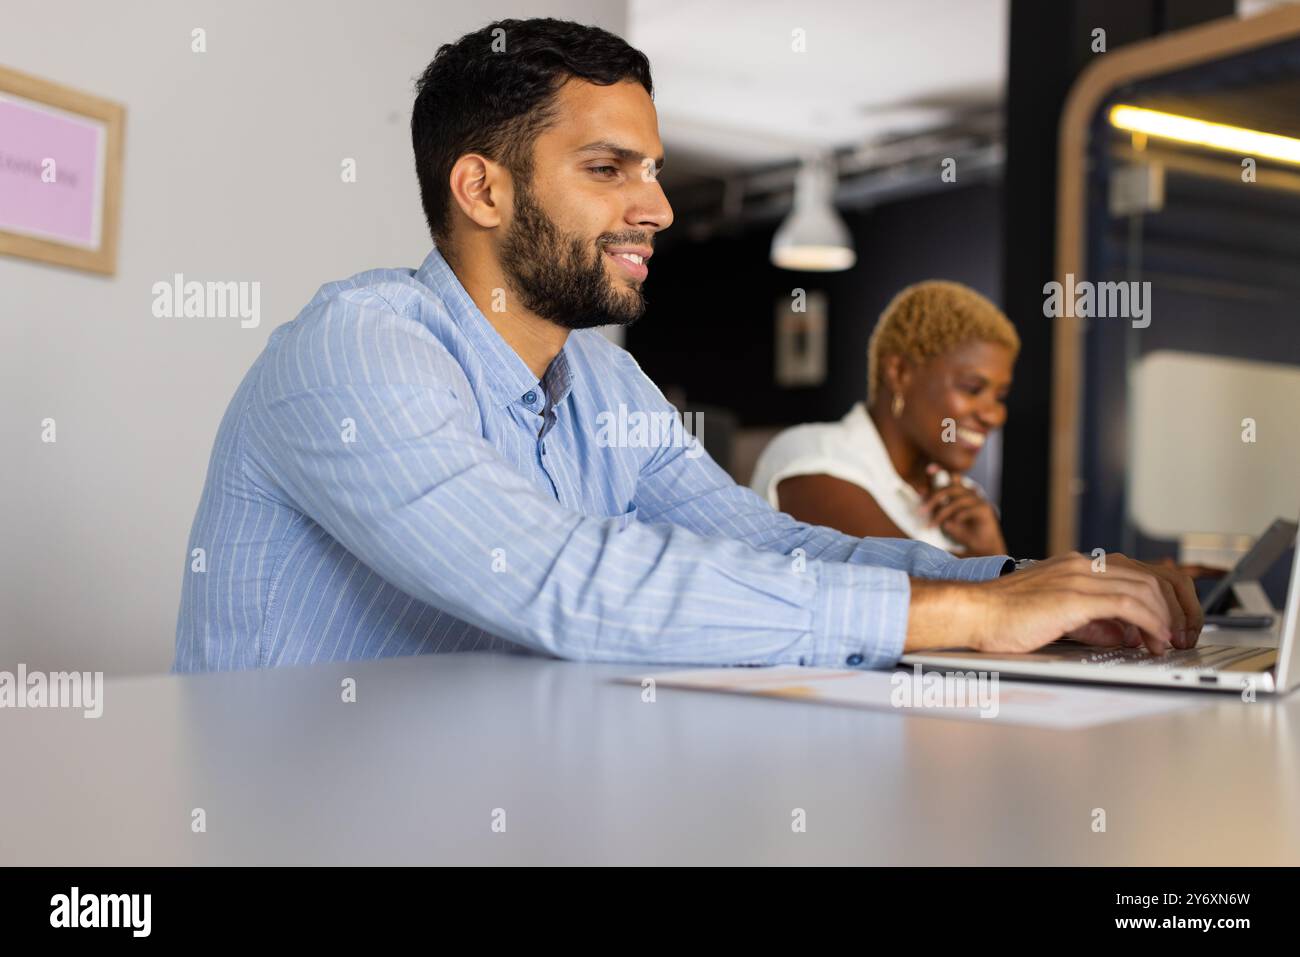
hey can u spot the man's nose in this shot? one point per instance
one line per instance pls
(651, 209)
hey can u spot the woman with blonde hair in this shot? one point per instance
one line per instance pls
(939, 367)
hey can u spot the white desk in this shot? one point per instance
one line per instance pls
(588, 773)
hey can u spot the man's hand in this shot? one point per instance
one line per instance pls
(965, 516)
(1128, 603)
(1186, 617)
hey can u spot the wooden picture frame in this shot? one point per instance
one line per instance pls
(53, 130)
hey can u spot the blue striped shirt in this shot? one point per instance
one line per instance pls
(390, 478)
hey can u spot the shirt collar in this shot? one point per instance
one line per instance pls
(510, 378)
(862, 430)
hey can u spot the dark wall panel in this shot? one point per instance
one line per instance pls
(709, 328)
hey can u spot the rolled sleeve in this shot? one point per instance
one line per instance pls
(981, 569)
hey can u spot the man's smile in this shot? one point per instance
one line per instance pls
(631, 259)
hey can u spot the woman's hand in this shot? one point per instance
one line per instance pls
(965, 516)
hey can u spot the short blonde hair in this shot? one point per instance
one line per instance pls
(930, 318)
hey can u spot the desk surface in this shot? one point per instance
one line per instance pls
(589, 773)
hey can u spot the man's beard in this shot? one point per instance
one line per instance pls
(559, 277)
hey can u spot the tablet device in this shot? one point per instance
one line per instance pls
(1253, 566)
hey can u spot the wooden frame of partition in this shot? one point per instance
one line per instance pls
(1149, 58)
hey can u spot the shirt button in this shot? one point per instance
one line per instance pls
(530, 397)
(853, 660)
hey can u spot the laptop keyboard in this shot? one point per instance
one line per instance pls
(1195, 659)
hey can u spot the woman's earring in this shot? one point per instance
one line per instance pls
(897, 406)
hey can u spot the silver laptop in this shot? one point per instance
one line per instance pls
(1225, 659)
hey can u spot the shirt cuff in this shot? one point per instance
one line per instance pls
(982, 569)
(861, 616)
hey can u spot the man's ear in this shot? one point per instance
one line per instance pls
(480, 188)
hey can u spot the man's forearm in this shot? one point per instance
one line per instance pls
(944, 614)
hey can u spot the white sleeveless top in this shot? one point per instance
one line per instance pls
(851, 450)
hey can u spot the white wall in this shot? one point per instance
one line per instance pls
(232, 174)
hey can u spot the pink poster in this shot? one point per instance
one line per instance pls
(51, 172)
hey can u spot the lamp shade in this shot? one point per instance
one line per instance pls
(814, 237)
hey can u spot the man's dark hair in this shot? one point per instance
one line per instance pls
(474, 99)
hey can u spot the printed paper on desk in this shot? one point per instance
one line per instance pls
(980, 698)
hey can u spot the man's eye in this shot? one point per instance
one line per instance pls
(601, 169)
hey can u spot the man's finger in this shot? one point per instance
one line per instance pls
(1185, 592)
(1128, 607)
(1106, 633)
(1140, 588)
(1177, 617)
